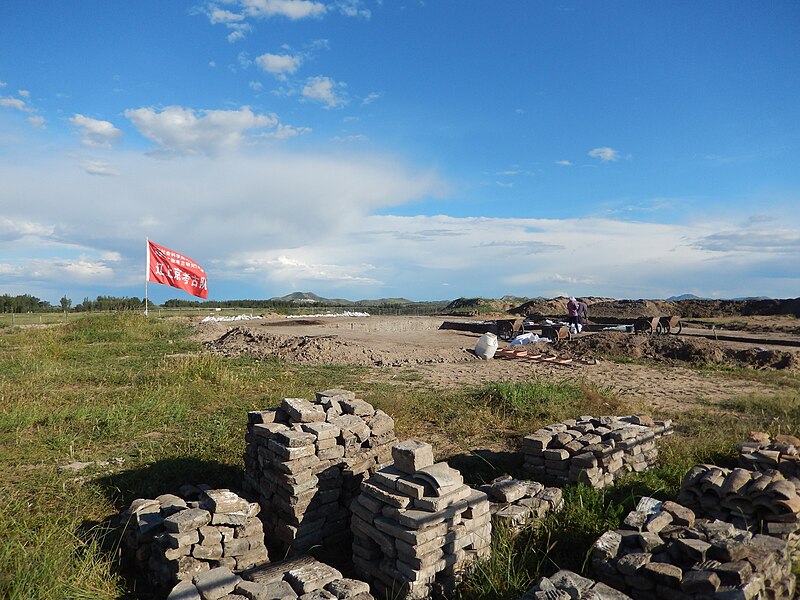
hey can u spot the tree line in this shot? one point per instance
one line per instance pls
(26, 303)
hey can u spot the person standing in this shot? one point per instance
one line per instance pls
(572, 313)
(583, 315)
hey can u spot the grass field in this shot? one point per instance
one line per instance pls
(137, 392)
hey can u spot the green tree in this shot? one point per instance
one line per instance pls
(65, 303)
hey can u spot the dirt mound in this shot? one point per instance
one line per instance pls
(325, 349)
(734, 308)
(554, 306)
(679, 350)
(631, 309)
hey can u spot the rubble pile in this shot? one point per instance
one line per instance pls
(663, 551)
(306, 460)
(304, 578)
(593, 450)
(566, 585)
(762, 452)
(416, 525)
(173, 538)
(514, 502)
(763, 502)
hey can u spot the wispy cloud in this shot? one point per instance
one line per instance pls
(370, 98)
(564, 163)
(96, 133)
(98, 167)
(325, 91)
(605, 154)
(279, 64)
(180, 130)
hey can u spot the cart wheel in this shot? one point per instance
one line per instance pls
(661, 330)
(680, 328)
(505, 331)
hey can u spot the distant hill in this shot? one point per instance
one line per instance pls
(312, 298)
(684, 297)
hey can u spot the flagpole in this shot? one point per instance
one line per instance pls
(146, 274)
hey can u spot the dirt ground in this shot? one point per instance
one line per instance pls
(416, 351)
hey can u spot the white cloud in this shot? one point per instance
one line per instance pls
(96, 133)
(605, 154)
(256, 86)
(212, 64)
(353, 8)
(3, 84)
(370, 98)
(36, 121)
(291, 9)
(98, 167)
(218, 15)
(16, 103)
(358, 137)
(24, 93)
(186, 131)
(284, 132)
(564, 163)
(324, 90)
(274, 221)
(237, 34)
(279, 64)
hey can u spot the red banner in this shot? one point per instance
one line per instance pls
(178, 270)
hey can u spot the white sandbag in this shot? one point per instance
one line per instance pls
(486, 346)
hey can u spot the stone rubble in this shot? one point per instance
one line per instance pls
(514, 502)
(566, 585)
(758, 501)
(593, 450)
(416, 525)
(304, 578)
(174, 538)
(663, 552)
(762, 453)
(306, 460)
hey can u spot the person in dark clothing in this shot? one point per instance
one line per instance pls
(583, 315)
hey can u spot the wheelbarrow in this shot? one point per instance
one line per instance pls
(671, 324)
(508, 329)
(556, 333)
(647, 325)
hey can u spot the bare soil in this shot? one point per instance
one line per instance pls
(657, 372)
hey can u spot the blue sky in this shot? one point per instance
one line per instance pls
(430, 150)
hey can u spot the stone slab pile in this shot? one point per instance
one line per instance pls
(175, 537)
(514, 502)
(662, 551)
(566, 585)
(593, 450)
(761, 453)
(416, 525)
(305, 578)
(306, 460)
(764, 502)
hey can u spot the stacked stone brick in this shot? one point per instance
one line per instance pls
(514, 503)
(663, 552)
(566, 585)
(306, 460)
(593, 450)
(173, 538)
(416, 525)
(764, 502)
(762, 453)
(306, 579)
